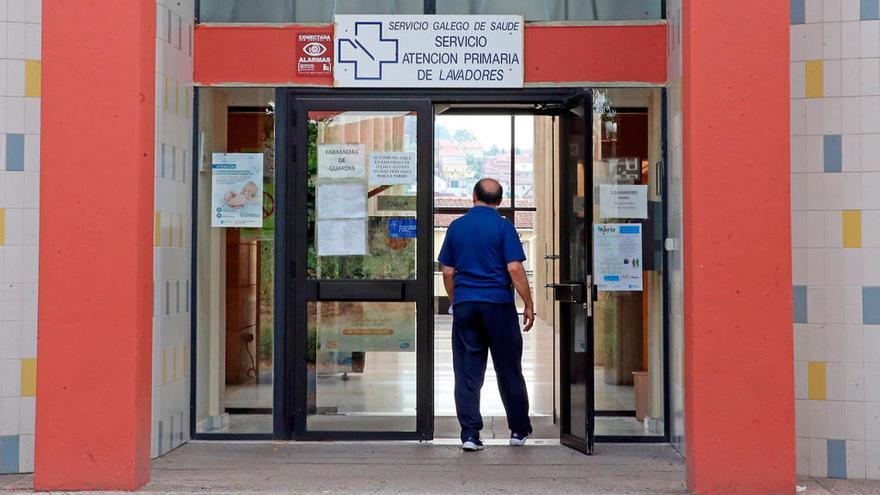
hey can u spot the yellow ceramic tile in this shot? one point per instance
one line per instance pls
(29, 377)
(170, 229)
(32, 78)
(814, 79)
(174, 366)
(176, 97)
(852, 228)
(158, 227)
(2, 226)
(816, 380)
(164, 367)
(180, 236)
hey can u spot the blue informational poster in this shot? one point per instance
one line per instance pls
(402, 228)
(618, 256)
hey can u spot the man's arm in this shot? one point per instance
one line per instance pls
(521, 283)
(449, 281)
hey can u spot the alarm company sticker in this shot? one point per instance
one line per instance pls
(314, 54)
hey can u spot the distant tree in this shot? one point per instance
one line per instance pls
(464, 135)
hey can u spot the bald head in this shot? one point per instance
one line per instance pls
(488, 192)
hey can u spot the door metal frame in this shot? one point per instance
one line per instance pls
(567, 329)
(546, 101)
(303, 290)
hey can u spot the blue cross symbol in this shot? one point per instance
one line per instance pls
(368, 50)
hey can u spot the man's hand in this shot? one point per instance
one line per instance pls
(528, 318)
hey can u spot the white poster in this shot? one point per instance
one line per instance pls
(618, 256)
(341, 200)
(237, 190)
(418, 51)
(341, 161)
(388, 168)
(342, 237)
(623, 201)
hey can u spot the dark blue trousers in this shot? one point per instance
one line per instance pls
(477, 329)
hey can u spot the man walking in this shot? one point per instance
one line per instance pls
(482, 263)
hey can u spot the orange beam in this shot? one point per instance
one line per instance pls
(738, 340)
(96, 249)
(265, 55)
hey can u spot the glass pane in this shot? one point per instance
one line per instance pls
(557, 10)
(299, 10)
(468, 148)
(361, 366)
(575, 227)
(362, 195)
(627, 232)
(524, 160)
(236, 296)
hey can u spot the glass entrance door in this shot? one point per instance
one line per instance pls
(361, 234)
(574, 289)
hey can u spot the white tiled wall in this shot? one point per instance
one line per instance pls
(172, 237)
(20, 68)
(835, 201)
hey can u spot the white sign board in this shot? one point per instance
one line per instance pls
(389, 168)
(618, 256)
(428, 51)
(623, 201)
(342, 237)
(341, 161)
(237, 190)
(345, 200)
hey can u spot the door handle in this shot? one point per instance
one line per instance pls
(570, 293)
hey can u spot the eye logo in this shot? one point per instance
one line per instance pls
(314, 49)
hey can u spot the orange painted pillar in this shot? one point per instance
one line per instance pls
(739, 384)
(96, 259)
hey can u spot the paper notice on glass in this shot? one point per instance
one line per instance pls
(392, 167)
(237, 190)
(341, 200)
(623, 201)
(341, 161)
(369, 326)
(342, 237)
(618, 256)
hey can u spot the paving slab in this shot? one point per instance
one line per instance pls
(423, 468)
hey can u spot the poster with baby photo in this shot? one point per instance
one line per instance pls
(237, 190)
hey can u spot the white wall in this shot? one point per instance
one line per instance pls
(20, 69)
(172, 249)
(835, 201)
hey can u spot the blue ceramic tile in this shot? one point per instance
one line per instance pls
(15, 152)
(832, 153)
(869, 10)
(836, 458)
(871, 305)
(9, 454)
(799, 298)
(798, 12)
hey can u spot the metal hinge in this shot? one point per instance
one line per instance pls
(588, 304)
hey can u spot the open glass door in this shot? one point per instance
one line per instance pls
(362, 269)
(574, 290)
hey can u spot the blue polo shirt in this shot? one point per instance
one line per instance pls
(479, 245)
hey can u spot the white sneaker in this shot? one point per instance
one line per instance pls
(472, 445)
(518, 440)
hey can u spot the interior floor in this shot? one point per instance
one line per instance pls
(398, 395)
